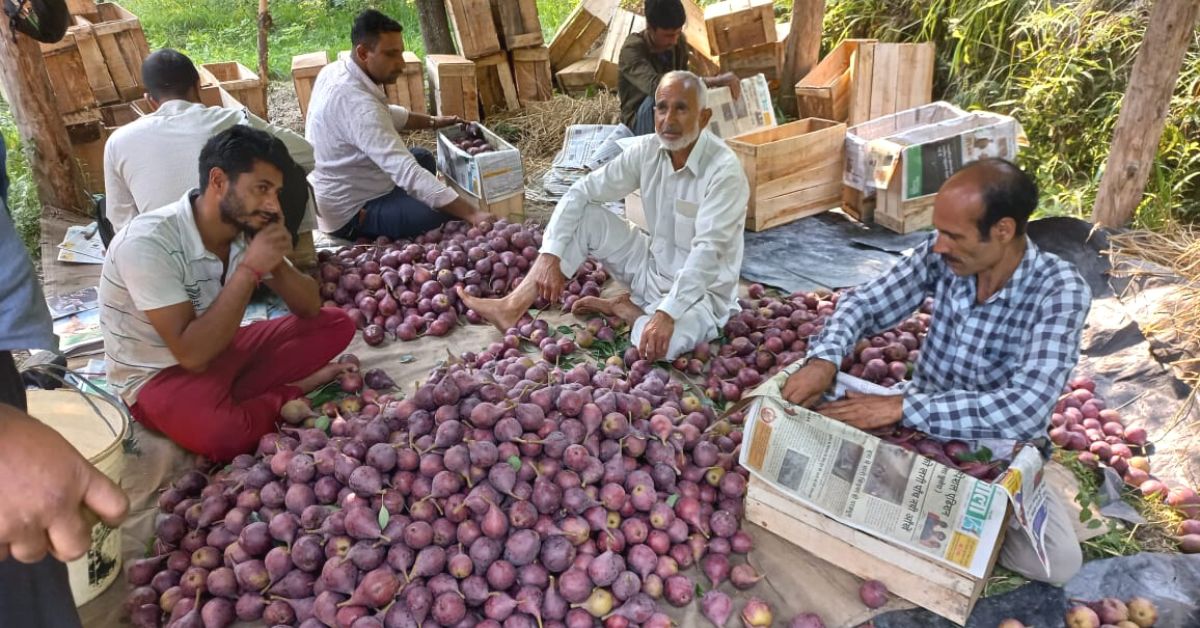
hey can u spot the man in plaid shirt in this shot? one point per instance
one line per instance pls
(1002, 342)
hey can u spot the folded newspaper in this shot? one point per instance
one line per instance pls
(81, 245)
(887, 491)
(753, 111)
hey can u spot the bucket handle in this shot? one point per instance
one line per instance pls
(53, 371)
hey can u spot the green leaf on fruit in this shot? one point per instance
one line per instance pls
(983, 454)
(672, 499)
(699, 592)
(322, 423)
(564, 330)
(514, 461)
(384, 517)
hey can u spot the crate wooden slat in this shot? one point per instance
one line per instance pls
(82, 8)
(64, 65)
(580, 32)
(794, 170)
(510, 207)
(918, 579)
(494, 82)
(95, 68)
(825, 91)
(518, 23)
(531, 71)
(87, 141)
(765, 59)
(473, 27)
(305, 69)
(123, 45)
(452, 79)
(886, 78)
(622, 24)
(577, 78)
(737, 24)
(241, 83)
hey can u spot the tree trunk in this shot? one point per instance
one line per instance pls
(1144, 110)
(435, 27)
(264, 24)
(56, 174)
(802, 49)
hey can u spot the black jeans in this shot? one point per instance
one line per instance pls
(37, 595)
(396, 214)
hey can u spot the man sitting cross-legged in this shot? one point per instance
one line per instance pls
(174, 289)
(682, 273)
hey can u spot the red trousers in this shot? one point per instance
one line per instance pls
(223, 411)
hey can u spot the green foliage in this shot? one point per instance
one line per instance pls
(22, 194)
(1059, 67)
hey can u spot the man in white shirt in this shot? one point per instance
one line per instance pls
(173, 293)
(150, 162)
(683, 273)
(367, 182)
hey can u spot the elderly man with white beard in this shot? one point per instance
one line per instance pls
(682, 273)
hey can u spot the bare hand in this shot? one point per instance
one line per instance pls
(656, 336)
(866, 412)
(445, 121)
(49, 495)
(735, 85)
(268, 248)
(548, 278)
(805, 386)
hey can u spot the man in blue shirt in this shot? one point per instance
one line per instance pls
(1002, 342)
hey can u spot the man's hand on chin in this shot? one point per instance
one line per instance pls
(865, 412)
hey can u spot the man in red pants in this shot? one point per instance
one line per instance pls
(174, 289)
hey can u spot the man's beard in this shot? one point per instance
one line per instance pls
(683, 142)
(233, 212)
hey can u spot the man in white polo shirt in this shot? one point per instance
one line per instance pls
(367, 182)
(151, 161)
(174, 290)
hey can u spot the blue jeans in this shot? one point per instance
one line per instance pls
(643, 124)
(396, 214)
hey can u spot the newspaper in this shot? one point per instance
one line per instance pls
(78, 301)
(889, 491)
(753, 111)
(79, 333)
(589, 146)
(82, 245)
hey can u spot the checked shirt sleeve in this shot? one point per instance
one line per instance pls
(876, 305)
(1020, 409)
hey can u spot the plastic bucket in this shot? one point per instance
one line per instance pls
(98, 429)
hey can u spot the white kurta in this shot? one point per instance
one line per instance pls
(687, 264)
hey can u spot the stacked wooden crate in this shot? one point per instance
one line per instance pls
(305, 69)
(571, 51)
(242, 84)
(744, 38)
(503, 38)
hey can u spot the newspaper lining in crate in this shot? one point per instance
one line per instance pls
(858, 174)
(492, 175)
(926, 156)
(888, 491)
(753, 111)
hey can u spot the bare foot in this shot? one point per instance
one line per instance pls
(321, 376)
(499, 312)
(592, 305)
(623, 308)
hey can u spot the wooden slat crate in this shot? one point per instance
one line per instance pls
(920, 580)
(473, 27)
(825, 91)
(696, 33)
(64, 65)
(577, 78)
(408, 91)
(243, 84)
(305, 69)
(122, 43)
(580, 32)
(737, 24)
(886, 78)
(87, 141)
(510, 207)
(452, 79)
(765, 59)
(622, 24)
(494, 81)
(531, 71)
(794, 170)
(95, 68)
(518, 23)
(83, 8)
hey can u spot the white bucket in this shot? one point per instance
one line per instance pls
(98, 430)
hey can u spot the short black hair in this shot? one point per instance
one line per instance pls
(169, 73)
(369, 25)
(235, 150)
(1007, 191)
(668, 14)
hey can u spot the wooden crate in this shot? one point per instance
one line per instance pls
(794, 170)
(531, 71)
(696, 34)
(737, 24)
(765, 59)
(83, 8)
(241, 83)
(886, 78)
(825, 91)
(518, 23)
(64, 65)
(920, 580)
(622, 24)
(95, 69)
(452, 79)
(122, 46)
(577, 78)
(893, 214)
(408, 91)
(858, 205)
(494, 82)
(87, 141)
(305, 69)
(473, 28)
(511, 207)
(580, 32)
